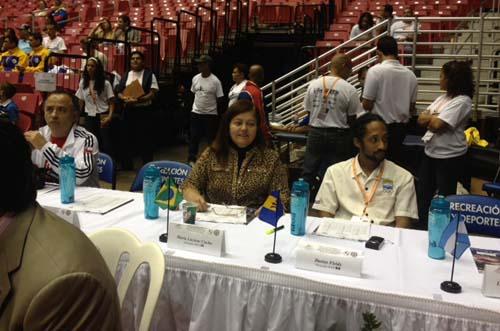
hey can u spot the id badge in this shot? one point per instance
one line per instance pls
(322, 115)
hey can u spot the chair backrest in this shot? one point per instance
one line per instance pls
(481, 213)
(9, 77)
(176, 170)
(112, 243)
(106, 169)
(24, 122)
(26, 102)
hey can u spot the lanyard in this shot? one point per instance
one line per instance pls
(367, 198)
(326, 92)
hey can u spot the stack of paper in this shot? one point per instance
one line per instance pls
(344, 229)
(223, 214)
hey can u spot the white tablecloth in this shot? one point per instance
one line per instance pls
(240, 291)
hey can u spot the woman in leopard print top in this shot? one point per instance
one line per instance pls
(238, 168)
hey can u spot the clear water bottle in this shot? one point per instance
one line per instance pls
(150, 188)
(67, 179)
(299, 207)
(439, 217)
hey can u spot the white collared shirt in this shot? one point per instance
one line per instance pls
(339, 193)
(98, 104)
(55, 45)
(235, 90)
(133, 75)
(393, 88)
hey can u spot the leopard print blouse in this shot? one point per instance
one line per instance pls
(261, 173)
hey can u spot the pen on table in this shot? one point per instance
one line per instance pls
(275, 229)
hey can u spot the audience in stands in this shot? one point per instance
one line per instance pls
(52, 41)
(53, 277)
(103, 30)
(386, 14)
(123, 26)
(43, 9)
(138, 112)
(87, 44)
(24, 34)
(96, 98)
(36, 59)
(6, 33)
(391, 92)
(365, 23)
(239, 75)
(252, 92)
(368, 185)
(238, 168)
(13, 59)
(361, 79)
(403, 30)
(208, 93)
(446, 118)
(332, 104)
(8, 109)
(59, 13)
(62, 136)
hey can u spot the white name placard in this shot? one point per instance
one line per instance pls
(198, 239)
(491, 281)
(69, 216)
(329, 259)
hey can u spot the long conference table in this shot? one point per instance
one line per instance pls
(400, 285)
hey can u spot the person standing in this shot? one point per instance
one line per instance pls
(445, 144)
(208, 94)
(239, 78)
(331, 103)
(391, 91)
(138, 114)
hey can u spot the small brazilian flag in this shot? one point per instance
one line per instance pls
(272, 209)
(169, 196)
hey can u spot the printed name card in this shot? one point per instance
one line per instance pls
(491, 281)
(329, 259)
(197, 239)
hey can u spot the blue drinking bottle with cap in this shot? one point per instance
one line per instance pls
(67, 179)
(299, 207)
(150, 188)
(439, 217)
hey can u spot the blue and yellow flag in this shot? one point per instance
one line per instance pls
(272, 209)
(169, 196)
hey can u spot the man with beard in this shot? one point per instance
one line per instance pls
(367, 185)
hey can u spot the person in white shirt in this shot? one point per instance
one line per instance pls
(368, 186)
(239, 74)
(365, 22)
(391, 91)
(52, 41)
(403, 30)
(96, 98)
(138, 114)
(62, 136)
(208, 94)
(331, 103)
(445, 144)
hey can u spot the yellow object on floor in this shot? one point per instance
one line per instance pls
(473, 137)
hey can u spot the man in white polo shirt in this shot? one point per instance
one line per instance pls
(208, 94)
(391, 91)
(332, 104)
(367, 185)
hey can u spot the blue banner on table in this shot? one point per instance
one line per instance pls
(272, 209)
(447, 241)
(169, 196)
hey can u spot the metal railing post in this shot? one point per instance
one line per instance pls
(414, 48)
(479, 60)
(273, 98)
(316, 67)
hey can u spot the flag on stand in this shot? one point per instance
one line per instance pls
(169, 196)
(447, 241)
(272, 209)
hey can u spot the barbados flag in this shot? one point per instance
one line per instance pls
(169, 196)
(272, 209)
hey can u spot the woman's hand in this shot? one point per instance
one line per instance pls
(202, 204)
(106, 120)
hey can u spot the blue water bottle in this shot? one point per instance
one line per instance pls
(67, 179)
(150, 188)
(299, 207)
(439, 217)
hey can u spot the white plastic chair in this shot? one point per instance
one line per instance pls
(112, 243)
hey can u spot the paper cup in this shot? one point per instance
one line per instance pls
(189, 212)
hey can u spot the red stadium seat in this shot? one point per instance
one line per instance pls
(27, 102)
(9, 77)
(24, 122)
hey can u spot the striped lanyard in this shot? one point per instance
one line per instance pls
(367, 198)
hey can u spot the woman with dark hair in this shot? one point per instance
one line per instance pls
(138, 111)
(96, 97)
(239, 74)
(365, 22)
(238, 168)
(445, 143)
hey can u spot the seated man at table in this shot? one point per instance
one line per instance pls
(51, 275)
(62, 136)
(367, 185)
(238, 168)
